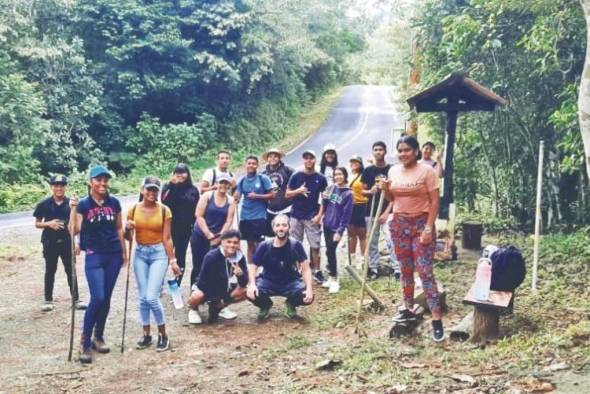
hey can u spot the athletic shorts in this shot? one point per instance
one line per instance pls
(299, 227)
(358, 215)
(253, 230)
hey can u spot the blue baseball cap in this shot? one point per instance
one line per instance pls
(97, 171)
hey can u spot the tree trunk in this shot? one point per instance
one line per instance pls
(486, 324)
(584, 97)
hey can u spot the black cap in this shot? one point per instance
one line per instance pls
(58, 179)
(151, 181)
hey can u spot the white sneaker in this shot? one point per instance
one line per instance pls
(227, 314)
(194, 317)
(326, 284)
(334, 287)
(47, 306)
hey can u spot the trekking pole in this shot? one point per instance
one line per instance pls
(74, 279)
(126, 296)
(374, 223)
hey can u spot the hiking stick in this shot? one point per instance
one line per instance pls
(374, 223)
(126, 296)
(74, 279)
(538, 216)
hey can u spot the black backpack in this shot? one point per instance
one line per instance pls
(508, 269)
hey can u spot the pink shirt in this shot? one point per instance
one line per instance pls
(410, 188)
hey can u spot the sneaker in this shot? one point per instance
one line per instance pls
(79, 305)
(397, 276)
(47, 306)
(264, 312)
(144, 342)
(100, 347)
(405, 315)
(227, 314)
(372, 275)
(319, 277)
(438, 333)
(328, 283)
(85, 356)
(194, 317)
(334, 287)
(163, 343)
(290, 311)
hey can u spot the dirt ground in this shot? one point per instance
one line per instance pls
(241, 356)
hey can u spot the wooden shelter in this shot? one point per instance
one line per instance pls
(456, 93)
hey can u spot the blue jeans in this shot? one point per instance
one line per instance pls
(102, 270)
(150, 264)
(293, 291)
(374, 254)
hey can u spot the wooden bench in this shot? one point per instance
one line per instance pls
(486, 314)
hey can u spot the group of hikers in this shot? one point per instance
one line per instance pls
(275, 209)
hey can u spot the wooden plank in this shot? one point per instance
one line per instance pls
(498, 300)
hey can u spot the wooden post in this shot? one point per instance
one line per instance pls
(447, 198)
(486, 324)
(538, 216)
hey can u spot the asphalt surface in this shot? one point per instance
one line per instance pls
(362, 115)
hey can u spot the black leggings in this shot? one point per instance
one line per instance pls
(331, 252)
(199, 247)
(52, 251)
(180, 240)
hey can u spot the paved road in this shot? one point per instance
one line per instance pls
(361, 116)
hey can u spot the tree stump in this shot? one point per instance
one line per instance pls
(486, 324)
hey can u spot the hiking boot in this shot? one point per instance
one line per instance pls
(194, 317)
(290, 310)
(264, 312)
(80, 306)
(334, 286)
(227, 314)
(438, 333)
(100, 347)
(47, 306)
(405, 315)
(85, 356)
(163, 343)
(397, 276)
(319, 277)
(213, 313)
(144, 342)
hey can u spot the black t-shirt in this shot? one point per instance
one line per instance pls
(368, 178)
(182, 200)
(280, 264)
(48, 210)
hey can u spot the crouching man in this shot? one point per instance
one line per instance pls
(286, 272)
(222, 280)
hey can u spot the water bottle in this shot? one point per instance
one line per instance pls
(483, 279)
(175, 293)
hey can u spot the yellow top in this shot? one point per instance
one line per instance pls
(357, 190)
(149, 229)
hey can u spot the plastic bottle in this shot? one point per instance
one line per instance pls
(483, 279)
(175, 292)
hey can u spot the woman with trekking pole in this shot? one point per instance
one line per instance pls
(357, 228)
(151, 222)
(413, 189)
(181, 196)
(98, 220)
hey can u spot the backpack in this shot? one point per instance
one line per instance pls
(508, 269)
(215, 176)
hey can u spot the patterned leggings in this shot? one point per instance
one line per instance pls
(405, 234)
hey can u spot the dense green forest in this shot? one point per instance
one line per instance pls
(141, 84)
(532, 53)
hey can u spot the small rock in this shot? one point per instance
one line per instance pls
(556, 367)
(397, 389)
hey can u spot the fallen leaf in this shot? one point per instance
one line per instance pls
(556, 367)
(397, 389)
(412, 365)
(244, 373)
(463, 378)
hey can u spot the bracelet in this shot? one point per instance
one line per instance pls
(427, 230)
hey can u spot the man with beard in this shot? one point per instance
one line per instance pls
(286, 272)
(279, 175)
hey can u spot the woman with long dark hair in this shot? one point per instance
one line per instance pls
(98, 221)
(329, 162)
(413, 189)
(181, 196)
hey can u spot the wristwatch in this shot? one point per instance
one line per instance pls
(427, 230)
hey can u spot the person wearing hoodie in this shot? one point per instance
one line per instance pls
(181, 196)
(337, 209)
(279, 174)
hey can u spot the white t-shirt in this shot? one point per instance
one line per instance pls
(213, 174)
